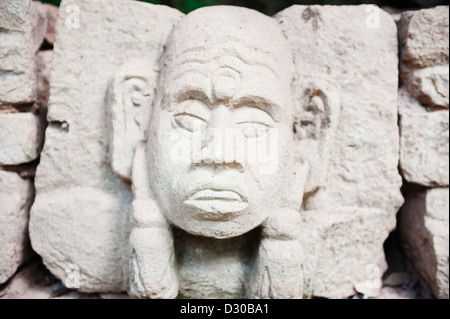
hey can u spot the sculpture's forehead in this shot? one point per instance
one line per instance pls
(229, 48)
(232, 54)
(211, 25)
(213, 32)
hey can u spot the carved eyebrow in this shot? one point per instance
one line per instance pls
(189, 93)
(262, 103)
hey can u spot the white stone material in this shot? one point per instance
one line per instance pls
(22, 29)
(343, 251)
(424, 142)
(122, 88)
(341, 45)
(16, 196)
(425, 54)
(81, 213)
(21, 138)
(82, 232)
(424, 226)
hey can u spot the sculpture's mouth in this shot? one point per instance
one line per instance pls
(217, 203)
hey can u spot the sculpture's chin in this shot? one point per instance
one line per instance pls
(216, 224)
(217, 232)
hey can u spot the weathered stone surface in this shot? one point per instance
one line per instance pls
(22, 29)
(360, 149)
(35, 282)
(424, 34)
(44, 64)
(16, 196)
(51, 13)
(21, 138)
(201, 261)
(425, 54)
(344, 251)
(362, 169)
(363, 157)
(424, 142)
(424, 226)
(75, 152)
(85, 228)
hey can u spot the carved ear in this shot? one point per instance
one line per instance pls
(130, 97)
(315, 122)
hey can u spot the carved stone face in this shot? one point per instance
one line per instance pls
(221, 128)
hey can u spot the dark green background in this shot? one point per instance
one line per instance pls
(271, 7)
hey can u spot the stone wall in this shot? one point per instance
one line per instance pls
(25, 28)
(424, 143)
(386, 130)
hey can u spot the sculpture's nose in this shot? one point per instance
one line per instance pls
(220, 141)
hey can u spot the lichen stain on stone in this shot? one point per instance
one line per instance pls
(309, 14)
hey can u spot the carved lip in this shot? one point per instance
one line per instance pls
(217, 203)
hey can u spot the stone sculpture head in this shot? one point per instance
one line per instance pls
(219, 139)
(223, 95)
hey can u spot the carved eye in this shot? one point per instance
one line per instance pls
(253, 122)
(253, 129)
(190, 122)
(192, 115)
